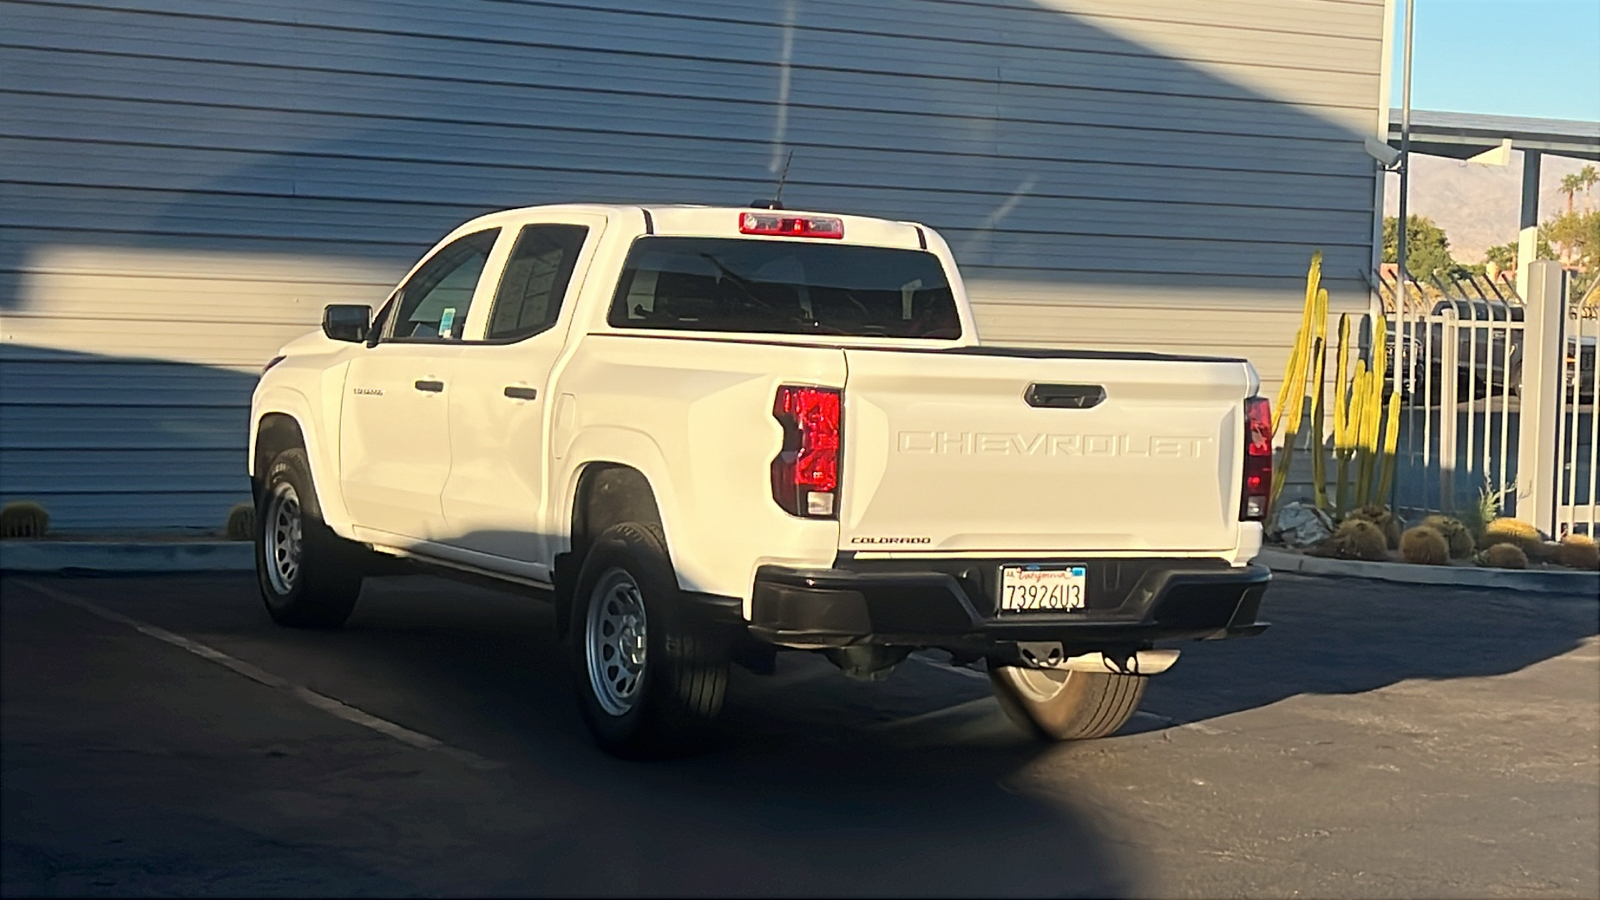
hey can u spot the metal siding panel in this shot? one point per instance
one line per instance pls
(46, 473)
(310, 178)
(1124, 173)
(1046, 214)
(114, 427)
(94, 382)
(470, 134)
(202, 512)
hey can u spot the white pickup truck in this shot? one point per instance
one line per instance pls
(711, 433)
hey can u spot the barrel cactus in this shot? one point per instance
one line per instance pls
(1424, 546)
(1579, 551)
(1455, 534)
(1503, 556)
(23, 519)
(1389, 525)
(1355, 539)
(1513, 531)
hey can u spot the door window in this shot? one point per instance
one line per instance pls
(433, 303)
(535, 280)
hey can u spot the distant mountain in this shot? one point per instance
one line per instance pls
(1476, 205)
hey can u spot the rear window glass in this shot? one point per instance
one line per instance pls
(784, 287)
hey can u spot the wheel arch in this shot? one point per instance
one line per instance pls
(284, 418)
(275, 433)
(604, 493)
(607, 494)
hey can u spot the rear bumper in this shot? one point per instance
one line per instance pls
(951, 604)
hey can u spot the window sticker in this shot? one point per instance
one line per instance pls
(447, 321)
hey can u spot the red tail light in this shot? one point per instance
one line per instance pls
(805, 476)
(1257, 459)
(791, 226)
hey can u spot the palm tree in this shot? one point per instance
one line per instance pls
(1570, 186)
(1588, 177)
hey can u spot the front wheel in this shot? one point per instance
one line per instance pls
(649, 678)
(309, 576)
(1061, 705)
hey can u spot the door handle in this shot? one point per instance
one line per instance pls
(432, 387)
(516, 392)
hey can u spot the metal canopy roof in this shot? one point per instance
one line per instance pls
(1463, 135)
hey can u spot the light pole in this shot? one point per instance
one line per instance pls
(1402, 350)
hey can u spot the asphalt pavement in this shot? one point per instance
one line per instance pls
(158, 735)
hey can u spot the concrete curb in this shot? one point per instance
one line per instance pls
(1537, 582)
(108, 556)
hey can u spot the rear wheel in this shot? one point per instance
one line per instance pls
(1065, 705)
(649, 677)
(309, 576)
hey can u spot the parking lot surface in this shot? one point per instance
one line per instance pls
(161, 736)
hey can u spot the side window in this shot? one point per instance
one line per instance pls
(535, 280)
(433, 304)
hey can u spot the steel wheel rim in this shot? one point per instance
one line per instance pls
(283, 538)
(615, 642)
(1037, 685)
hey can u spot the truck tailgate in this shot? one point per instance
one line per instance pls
(993, 450)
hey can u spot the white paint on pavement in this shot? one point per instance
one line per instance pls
(304, 694)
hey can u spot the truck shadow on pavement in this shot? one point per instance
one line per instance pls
(818, 784)
(822, 786)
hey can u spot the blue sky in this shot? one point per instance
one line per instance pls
(1504, 57)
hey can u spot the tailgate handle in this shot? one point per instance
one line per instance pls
(1065, 396)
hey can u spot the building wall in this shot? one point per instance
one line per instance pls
(184, 185)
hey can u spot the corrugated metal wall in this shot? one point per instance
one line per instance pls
(184, 185)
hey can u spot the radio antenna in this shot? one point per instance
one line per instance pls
(777, 200)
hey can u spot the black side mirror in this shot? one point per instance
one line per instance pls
(346, 321)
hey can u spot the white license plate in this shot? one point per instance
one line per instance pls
(1053, 588)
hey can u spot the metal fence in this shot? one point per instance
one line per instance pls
(1498, 397)
(1455, 347)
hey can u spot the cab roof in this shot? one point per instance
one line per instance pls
(684, 220)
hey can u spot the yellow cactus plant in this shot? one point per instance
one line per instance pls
(1291, 396)
(1365, 427)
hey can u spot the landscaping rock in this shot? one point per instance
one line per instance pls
(1300, 524)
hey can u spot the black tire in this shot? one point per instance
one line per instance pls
(1066, 706)
(316, 585)
(653, 704)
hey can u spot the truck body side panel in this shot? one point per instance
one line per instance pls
(696, 420)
